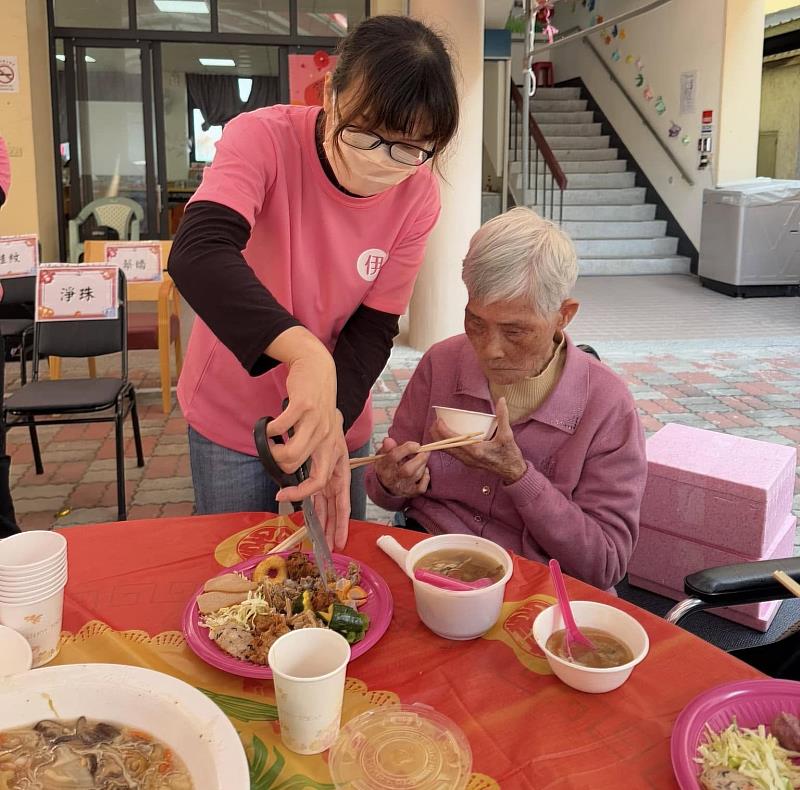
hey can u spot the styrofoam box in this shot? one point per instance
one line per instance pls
(718, 489)
(661, 562)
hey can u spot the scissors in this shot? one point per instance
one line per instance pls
(319, 546)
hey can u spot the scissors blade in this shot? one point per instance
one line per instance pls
(319, 546)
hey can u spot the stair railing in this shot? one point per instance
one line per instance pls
(539, 157)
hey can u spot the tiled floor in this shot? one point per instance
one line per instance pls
(689, 355)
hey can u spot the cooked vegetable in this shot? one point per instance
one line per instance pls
(754, 754)
(346, 621)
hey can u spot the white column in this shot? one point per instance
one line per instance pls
(437, 307)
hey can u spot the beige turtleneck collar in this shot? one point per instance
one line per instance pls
(526, 395)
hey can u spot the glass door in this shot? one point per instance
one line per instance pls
(110, 106)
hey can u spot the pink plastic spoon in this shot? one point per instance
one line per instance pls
(573, 635)
(447, 583)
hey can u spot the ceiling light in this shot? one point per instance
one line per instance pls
(62, 58)
(182, 6)
(89, 59)
(217, 61)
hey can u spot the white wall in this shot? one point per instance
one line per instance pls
(494, 95)
(681, 36)
(780, 112)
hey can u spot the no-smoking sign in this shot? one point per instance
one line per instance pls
(9, 74)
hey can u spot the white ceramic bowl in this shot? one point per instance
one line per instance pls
(461, 421)
(15, 652)
(31, 551)
(453, 615)
(589, 614)
(167, 708)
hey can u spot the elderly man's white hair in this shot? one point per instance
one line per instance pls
(520, 254)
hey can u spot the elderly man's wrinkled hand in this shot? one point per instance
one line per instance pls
(499, 455)
(403, 470)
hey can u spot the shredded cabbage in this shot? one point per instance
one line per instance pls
(241, 614)
(753, 753)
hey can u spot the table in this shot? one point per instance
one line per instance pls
(129, 583)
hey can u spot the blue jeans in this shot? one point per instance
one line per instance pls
(229, 482)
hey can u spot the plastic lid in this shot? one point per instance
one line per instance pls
(399, 748)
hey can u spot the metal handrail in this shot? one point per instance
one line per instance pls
(645, 120)
(535, 140)
(541, 142)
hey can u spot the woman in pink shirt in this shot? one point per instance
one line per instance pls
(299, 253)
(564, 474)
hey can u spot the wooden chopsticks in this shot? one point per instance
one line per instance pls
(464, 440)
(296, 537)
(788, 582)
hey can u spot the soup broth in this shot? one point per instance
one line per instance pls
(87, 755)
(608, 650)
(466, 565)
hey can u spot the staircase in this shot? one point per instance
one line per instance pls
(614, 230)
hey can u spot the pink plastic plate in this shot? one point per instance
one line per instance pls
(378, 606)
(752, 702)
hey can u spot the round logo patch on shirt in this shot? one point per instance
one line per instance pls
(370, 263)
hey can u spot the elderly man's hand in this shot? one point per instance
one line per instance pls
(499, 455)
(403, 471)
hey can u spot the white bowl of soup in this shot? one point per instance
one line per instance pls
(621, 643)
(460, 614)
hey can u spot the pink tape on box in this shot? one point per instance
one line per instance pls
(719, 489)
(661, 562)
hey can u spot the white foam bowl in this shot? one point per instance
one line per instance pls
(15, 652)
(459, 615)
(167, 708)
(589, 614)
(461, 421)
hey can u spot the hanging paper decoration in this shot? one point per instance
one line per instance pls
(615, 31)
(686, 139)
(639, 80)
(622, 33)
(629, 59)
(607, 40)
(591, 5)
(600, 20)
(615, 55)
(648, 93)
(545, 11)
(674, 129)
(661, 108)
(592, 21)
(639, 64)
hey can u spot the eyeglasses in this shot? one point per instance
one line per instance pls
(403, 153)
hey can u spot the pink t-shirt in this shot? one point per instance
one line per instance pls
(5, 168)
(321, 254)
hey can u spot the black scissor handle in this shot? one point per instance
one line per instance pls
(283, 479)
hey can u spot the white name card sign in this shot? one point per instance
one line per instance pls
(82, 292)
(19, 255)
(141, 261)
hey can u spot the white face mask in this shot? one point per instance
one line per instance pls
(361, 172)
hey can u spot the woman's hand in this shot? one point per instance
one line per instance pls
(317, 431)
(499, 455)
(403, 471)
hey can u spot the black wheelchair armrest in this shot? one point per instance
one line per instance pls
(748, 582)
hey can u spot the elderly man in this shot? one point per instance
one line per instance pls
(564, 474)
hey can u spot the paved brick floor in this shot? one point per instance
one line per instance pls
(710, 362)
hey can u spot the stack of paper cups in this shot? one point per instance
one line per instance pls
(33, 574)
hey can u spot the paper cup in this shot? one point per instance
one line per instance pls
(34, 586)
(31, 551)
(34, 594)
(39, 622)
(308, 669)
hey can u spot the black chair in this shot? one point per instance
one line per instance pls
(80, 400)
(16, 315)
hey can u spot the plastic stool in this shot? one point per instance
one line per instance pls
(543, 71)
